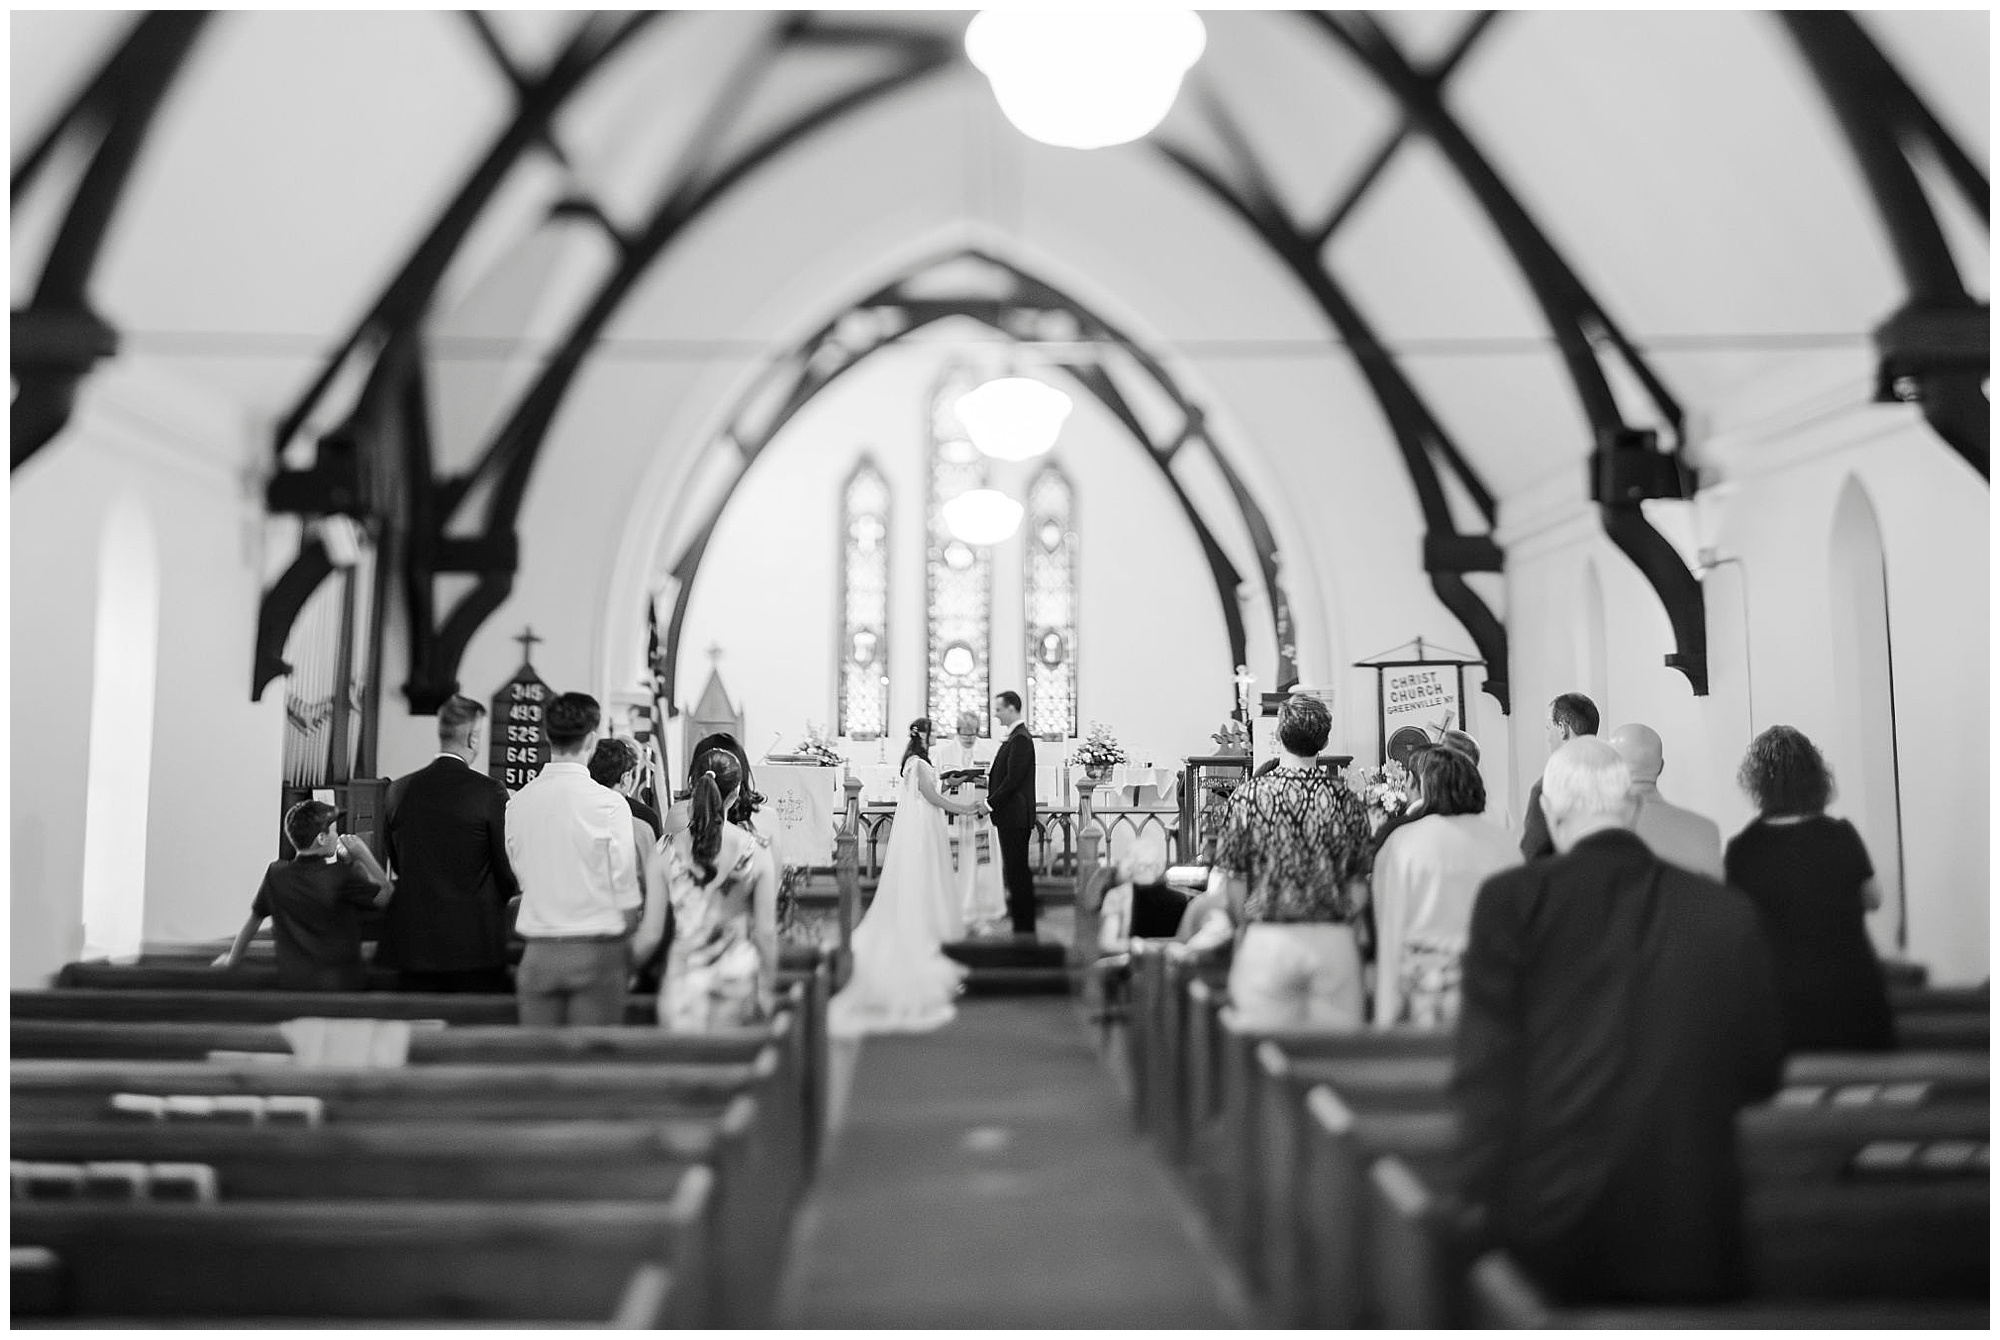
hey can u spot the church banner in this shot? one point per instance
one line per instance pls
(1418, 700)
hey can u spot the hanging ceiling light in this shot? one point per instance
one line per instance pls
(982, 516)
(1013, 418)
(1081, 79)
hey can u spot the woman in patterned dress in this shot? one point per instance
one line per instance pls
(722, 883)
(1293, 862)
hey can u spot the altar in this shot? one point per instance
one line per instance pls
(802, 807)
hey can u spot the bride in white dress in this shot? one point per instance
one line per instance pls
(902, 982)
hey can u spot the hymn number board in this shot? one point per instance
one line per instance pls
(519, 748)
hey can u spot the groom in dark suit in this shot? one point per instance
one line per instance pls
(1010, 792)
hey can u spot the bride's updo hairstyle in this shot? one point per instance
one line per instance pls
(920, 730)
(716, 774)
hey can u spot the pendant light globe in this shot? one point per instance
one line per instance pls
(982, 516)
(1084, 79)
(1013, 418)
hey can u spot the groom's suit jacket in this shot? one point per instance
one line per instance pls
(1010, 783)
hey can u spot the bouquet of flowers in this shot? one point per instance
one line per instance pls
(1231, 739)
(815, 748)
(1384, 790)
(1101, 749)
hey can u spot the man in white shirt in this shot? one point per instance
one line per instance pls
(1678, 836)
(570, 843)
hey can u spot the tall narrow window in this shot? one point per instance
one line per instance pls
(1864, 695)
(864, 603)
(120, 735)
(1049, 590)
(959, 576)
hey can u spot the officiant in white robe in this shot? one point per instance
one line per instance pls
(975, 854)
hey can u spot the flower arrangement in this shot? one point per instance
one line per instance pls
(1231, 739)
(816, 748)
(1384, 790)
(1101, 749)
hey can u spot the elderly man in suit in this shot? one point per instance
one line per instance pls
(1676, 835)
(446, 827)
(1618, 1012)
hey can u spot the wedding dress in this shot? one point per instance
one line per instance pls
(902, 982)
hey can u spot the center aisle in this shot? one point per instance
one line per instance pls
(986, 1175)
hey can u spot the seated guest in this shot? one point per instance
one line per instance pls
(1426, 875)
(1678, 836)
(1618, 1012)
(314, 903)
(444, 830)
(1813, 885)
(722, 885)
(570, 841)
(1140, 905)
(1292, 860)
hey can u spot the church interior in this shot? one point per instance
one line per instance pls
(1428, 365)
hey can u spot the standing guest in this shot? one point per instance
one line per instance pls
(314, 903)
(1570, 715)
(1813, 886)
(1454, 738)
(721, 887)
(1010, 795)
(1426, 876)
(1680, 837)
(571, 844)
(618, 764)
(1292, 860)
(445, 830)
(1618, 1013)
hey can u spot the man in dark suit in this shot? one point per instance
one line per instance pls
(1010, 793)
(446, 827)
(1618, 1011)
(1570, 715)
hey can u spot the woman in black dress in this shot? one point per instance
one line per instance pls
(1811, 880)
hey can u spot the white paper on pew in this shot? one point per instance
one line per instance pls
(251, 1058)
(115, 1180)
(184, 1182)
(190, 1105)
(295, 1109)
(375, 1043)
(149, 1106)
(47, 1181)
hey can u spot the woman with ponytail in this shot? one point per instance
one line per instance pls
(722, 886)
(902, 981)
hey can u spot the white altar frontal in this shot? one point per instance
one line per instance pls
(802, 805)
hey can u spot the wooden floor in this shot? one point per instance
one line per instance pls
(985, 1175)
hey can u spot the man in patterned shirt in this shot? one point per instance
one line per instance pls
(1292, 861)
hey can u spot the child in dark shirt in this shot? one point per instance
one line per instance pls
(314, 903)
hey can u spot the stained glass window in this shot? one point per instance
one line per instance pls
(1048, 584)
(959, 575)
(864, 603)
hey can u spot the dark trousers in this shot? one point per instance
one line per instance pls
(1018, 878)
(474, 981)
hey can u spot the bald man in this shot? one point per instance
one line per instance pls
(1678, 836)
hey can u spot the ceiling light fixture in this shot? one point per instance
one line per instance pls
(1013, 418)
(982, 516)
(1081, 79)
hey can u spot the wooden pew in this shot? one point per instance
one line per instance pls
(1781, 1146)
(486, 1161)
(544, 1261)
(1832, 1255)
(1503, 1298)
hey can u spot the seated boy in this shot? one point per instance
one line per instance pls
(314, 902)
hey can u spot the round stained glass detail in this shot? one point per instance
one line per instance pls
(958, 660)
(865, 643)
(958, 451)
(958, 555)
(1052, 536)
(1052, 648)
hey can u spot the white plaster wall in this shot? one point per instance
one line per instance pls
(139, 434)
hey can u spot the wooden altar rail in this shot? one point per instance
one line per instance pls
(1049, 858)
